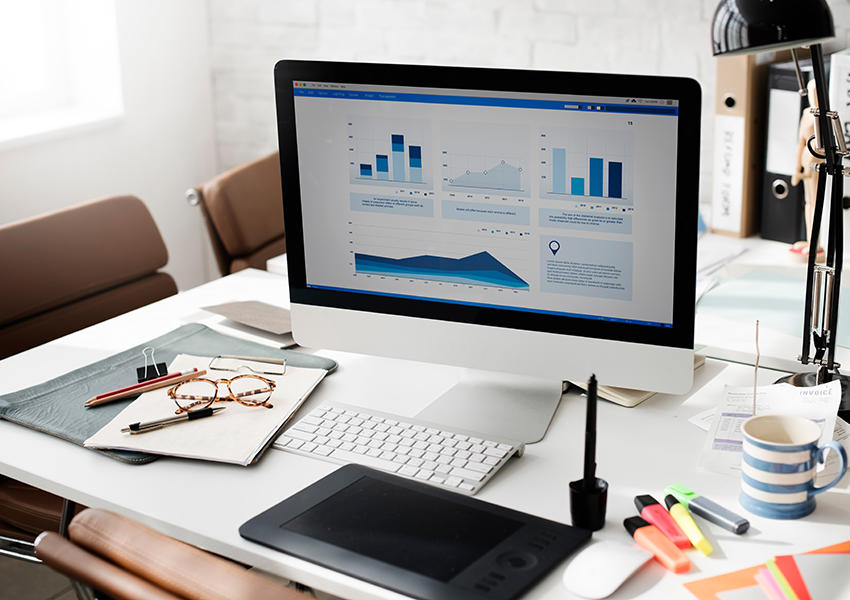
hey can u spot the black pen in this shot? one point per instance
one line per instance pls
(160, 423)
(590, 438)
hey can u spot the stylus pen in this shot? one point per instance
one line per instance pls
(590, 438)
(160, 423)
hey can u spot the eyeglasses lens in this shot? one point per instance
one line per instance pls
(250, 390)
(195, 395)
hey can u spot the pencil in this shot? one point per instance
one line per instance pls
(147, 386)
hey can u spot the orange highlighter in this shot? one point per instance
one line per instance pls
(650, 537)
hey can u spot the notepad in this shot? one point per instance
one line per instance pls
(236, 435)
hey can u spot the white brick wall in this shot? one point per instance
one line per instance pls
(660, 37)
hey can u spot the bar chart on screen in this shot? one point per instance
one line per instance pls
(485, 158)
(387, 151)
(593, 164)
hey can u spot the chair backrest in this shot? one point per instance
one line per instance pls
(243, 211)
(72, 268)
(130, 561)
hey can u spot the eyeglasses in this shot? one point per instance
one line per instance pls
(196, 394)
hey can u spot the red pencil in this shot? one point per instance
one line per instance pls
(154, 380)
(145, 386)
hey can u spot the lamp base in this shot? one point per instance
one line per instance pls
(811, 380)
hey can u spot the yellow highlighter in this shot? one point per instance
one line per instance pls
(681, 515)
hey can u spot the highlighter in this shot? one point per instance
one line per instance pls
(688, 525)
(708, 509)
(650, 538)
(655, 514)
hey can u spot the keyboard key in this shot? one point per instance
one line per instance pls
(300, 435)
(362, 459)
(467, 474)
(478, 467)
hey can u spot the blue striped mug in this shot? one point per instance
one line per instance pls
(779, 465)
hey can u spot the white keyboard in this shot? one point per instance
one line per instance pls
(460, 461)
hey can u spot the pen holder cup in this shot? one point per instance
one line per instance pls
(779, 463)
(587, 507)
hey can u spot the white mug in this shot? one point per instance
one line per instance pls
(779, 465)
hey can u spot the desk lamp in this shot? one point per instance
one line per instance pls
(751, 26)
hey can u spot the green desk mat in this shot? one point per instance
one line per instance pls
(57, 407)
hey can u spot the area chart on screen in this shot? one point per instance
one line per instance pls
(485, 158)
(478, 269)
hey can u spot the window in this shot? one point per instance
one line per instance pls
(59, 67)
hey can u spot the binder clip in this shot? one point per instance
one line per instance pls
(150, 371)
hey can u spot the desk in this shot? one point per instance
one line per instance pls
(641, 451)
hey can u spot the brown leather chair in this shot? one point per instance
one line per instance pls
(62, 272)
(78, 266)
(26, 511)
(243, 212)
(129, 561)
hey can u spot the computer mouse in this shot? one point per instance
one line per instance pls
(601, 568)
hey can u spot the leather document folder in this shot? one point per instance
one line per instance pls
(57, 407)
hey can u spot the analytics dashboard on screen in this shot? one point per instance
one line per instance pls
(544, 203)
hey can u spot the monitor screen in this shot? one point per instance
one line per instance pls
(495, 213)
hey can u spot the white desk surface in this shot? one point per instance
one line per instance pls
(733, 340)
(640, 451)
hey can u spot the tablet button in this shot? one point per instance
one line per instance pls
(518, 561)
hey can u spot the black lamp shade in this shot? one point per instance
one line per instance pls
(749, 26)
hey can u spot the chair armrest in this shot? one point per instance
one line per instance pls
(63, 556)
(175, 566)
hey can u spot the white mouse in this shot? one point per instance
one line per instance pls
(601, 568)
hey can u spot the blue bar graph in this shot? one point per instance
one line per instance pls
(577, 186)
(398, 157)
(383, 164)
(388, 152)
(615, 179)
(559, 170)
(415, 164)
(590, 185)
(596, 176)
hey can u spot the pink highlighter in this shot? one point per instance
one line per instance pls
(652, 512)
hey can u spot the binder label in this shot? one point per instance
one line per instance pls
(727, 198)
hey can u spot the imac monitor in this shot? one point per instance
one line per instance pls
(534, 227)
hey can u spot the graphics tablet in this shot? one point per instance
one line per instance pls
(413, 538)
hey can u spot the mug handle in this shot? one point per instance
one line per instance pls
(842, 469)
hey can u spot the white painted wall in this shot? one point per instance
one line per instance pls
(163, 145)
(198, 88)
(656, 37)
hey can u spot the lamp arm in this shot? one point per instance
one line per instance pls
(822, 323)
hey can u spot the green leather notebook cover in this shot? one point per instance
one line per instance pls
(57, 407)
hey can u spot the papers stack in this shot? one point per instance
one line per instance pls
(237, 435)
(817, 575)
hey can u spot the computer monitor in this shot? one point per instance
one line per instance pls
(534, 227)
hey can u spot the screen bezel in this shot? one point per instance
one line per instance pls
(685, 91)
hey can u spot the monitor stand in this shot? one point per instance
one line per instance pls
(503, 405)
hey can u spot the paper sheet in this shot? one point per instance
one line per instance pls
(723, 447)
(821, 572)
(235, 435)
(256, 314)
